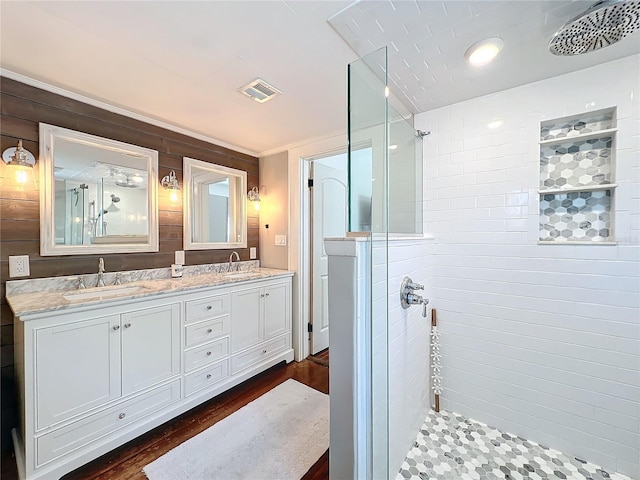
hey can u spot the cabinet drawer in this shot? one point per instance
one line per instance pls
(206, 331)
(213, 306)
(206, 377)
(260, 352)
(206, 354)
(82, 432)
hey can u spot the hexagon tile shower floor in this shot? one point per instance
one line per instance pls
(452, 447)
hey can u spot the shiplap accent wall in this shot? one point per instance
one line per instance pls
(538, 340)
(23, 106)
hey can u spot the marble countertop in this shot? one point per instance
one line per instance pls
(24, 303)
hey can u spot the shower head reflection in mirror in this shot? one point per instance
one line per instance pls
(87, 180)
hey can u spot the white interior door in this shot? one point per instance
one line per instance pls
(329, 207)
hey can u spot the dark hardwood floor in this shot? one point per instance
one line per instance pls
(127, 461)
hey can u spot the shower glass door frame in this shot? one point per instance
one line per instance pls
(368, 215)
(385, 195)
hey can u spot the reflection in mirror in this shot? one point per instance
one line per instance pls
(214, 206)
(98, 195)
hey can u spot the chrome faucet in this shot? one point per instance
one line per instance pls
(101, 273)
(231, 259)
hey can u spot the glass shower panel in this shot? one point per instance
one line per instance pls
(405, 176)
(368, 136)
(76, 204)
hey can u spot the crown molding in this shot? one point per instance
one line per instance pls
(302, 143)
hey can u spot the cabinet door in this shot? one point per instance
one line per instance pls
(77, 367)
(277, 311)
(246, 313)
(150, 346)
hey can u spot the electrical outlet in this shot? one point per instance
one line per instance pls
(19, 266)
(281, 240)
(252, 253)
(179, 257)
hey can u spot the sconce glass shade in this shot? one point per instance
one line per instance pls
(253, 195)
(20, 161)
(170, 182)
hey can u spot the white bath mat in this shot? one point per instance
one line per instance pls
(278, 436)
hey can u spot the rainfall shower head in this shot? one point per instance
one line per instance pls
(605, 23)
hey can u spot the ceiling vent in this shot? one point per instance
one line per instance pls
(260, 91)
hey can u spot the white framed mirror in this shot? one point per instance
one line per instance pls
(214, 206)
(97, 195)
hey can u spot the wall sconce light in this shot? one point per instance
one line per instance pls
(254, 196)
(20, 161)
(170, 182)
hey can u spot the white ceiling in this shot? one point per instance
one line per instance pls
(180, 62)
(427, 41)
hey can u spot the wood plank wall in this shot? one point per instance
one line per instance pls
(22, 108)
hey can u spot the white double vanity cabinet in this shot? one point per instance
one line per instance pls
(95, 374)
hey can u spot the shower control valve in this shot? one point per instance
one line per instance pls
(414, 299)
(408, 296)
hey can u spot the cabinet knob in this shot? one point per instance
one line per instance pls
(209, 307)
(262, 295)
(208, 354)
(127, 325)
(266, 294)
(208, 376)
(116, 327)
(122, 415)
(264, 351)
(209, 330)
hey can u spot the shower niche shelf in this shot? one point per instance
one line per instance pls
(577, 159)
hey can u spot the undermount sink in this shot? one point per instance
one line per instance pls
(241, 274)
(101, 292)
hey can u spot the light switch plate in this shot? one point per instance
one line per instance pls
(252, 253)
(19, 266)
(179, 257)
(281, 240)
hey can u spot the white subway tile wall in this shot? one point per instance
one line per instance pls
(408, 341)
(539, 340)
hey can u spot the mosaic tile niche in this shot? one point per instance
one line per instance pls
(577, 178)
(575, 126)
(577, 216)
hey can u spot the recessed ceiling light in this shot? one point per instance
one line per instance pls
(484, 52)
(495, 124)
